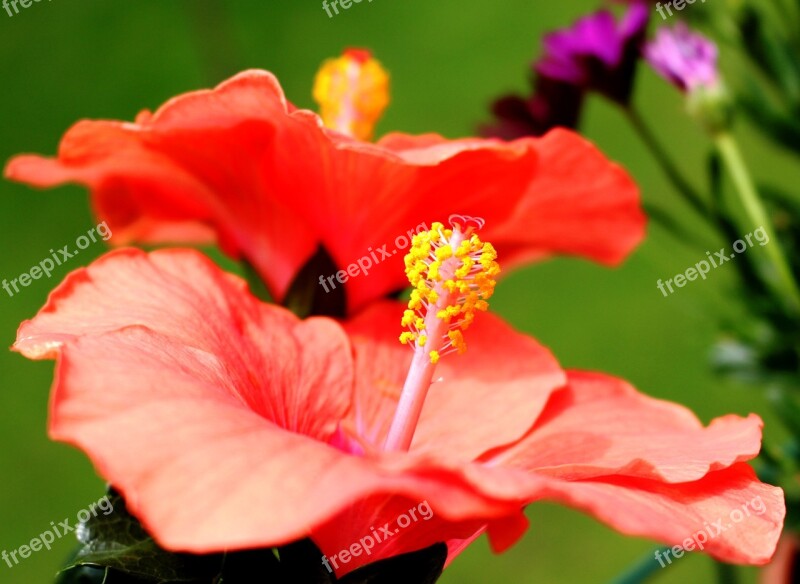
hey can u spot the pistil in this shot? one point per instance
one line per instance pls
(453, 274)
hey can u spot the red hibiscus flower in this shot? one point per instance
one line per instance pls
(174, 379)
(273, 185)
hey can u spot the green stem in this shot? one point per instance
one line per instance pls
(789, 14)
(641, 571)
(727, 573)
(670, 170)
(782, 279)
(692, 240)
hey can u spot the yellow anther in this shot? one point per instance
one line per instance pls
(452, 274)
(415, 303)
(407, 337)
(466, 266)
(457, 339)
(444, 253)
(352, 92)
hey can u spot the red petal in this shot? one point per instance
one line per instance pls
(162, 420)
(144, 195)
(183, 296)
(751, 512)
(174, 380)
(396, 525)
(579, 204)
(170, 291)
(600, 426)
(205, 160)
(273, 186)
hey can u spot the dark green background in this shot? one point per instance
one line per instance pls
(62, 60)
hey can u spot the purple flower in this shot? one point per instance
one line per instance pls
(597, 53)
(685, 58)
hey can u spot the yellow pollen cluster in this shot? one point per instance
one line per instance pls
(352, 92)
(453, 275)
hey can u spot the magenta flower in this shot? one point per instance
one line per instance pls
(683, 57)
(597, 53)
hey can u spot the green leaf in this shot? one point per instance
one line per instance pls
(117, 543)
(772, 121)
(770, 51)
(115, 549)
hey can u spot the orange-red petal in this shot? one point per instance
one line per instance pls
(174, 379)
(272, 185)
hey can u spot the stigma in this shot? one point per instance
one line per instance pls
(352, 92)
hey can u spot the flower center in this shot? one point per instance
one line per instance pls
(352, 91)
(453, 274)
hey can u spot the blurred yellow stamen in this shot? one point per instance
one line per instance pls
(352, 92)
